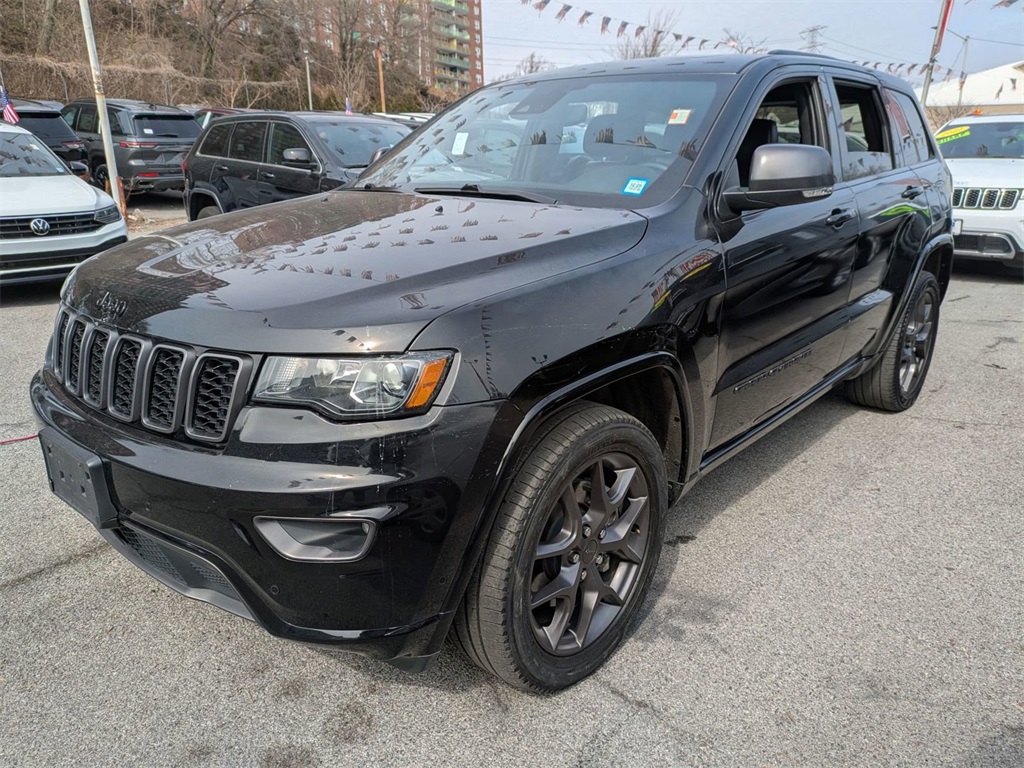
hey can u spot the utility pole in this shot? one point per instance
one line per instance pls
(940, 30)
(309, 81)
(811, 36)
(101, 107)
(380, 76)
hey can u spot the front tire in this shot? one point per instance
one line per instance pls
(895, 381)
(572, 552)
(207, 212)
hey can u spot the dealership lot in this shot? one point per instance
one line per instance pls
(848, 591)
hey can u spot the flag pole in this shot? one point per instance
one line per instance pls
(101, 107)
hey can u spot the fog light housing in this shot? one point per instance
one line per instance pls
(318, 539)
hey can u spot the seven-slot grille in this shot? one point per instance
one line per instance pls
(166, 387)
(991, 199)
(60, 224)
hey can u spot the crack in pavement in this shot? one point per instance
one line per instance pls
(52, 567)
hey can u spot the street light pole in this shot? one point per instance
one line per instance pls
(309, 81)
(101, 106)
(947, 8)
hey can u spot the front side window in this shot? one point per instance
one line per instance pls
(247, 141)
(611, 141)
(22, 155)
(864, 137)
(282, 137)
(1003, 139)
(909, 127)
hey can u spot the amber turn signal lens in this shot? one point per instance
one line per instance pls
(431, 377)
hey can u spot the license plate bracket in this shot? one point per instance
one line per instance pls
(78, 479)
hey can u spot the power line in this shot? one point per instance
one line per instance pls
(812, 35)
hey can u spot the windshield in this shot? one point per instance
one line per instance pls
(24, 155)
(608, 141)
(47, 126)
(982, 139)
(168, 126)
(353, 143)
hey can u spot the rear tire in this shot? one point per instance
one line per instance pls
(100, 176)
(895, 381)
(565, 570)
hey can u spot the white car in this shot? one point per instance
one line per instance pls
(50, 220)
(986, 158)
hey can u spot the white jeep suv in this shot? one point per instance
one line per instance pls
(986, 158)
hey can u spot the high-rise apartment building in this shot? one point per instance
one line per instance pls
(451, 49)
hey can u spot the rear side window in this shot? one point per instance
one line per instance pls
(863, 132)
(909, 127)
(88, 121)
(166, 126)
(69, 115)
(284, 137)
(247, 142)
(216, 142)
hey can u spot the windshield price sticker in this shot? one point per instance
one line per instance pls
(679, 116)
(635, 187)
(459, 147)
(952, 134)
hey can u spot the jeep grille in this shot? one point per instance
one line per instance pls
(986, 198)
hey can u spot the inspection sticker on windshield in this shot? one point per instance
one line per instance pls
(459, 147)
(951, 134)
(679, 116)
(635, 187)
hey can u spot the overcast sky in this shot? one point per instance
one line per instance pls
(899, 31)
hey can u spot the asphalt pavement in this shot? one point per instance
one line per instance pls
(848, 591)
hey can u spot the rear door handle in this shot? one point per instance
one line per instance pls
(911, 192)
(265, 175)
(221, 168)
(840, 216)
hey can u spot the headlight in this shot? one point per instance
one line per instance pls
(108, 215)
(347, 386)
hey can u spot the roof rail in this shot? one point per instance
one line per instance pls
(787, 52)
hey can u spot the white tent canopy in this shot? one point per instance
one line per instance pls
(1000, 86)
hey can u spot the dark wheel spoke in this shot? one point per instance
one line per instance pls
(619, 537)
(567, 537)
(562, 587)
(600, 503)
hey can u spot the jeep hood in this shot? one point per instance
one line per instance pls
(1007, 172)
(351, 271)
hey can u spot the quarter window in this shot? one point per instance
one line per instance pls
(247, 142)
(87, 120)
(909, 128)
(284, 137)
(216, 142)
(862, 132)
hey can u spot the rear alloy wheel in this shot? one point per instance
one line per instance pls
(572, 552)
(99, 175)
(895, 381)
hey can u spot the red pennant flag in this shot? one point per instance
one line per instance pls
(586, 15)
(541, 5)
(910, 69)
(677, 36)
(605, 22)
(561, 14)
(688, 40)
(639, 31)
(622, 29)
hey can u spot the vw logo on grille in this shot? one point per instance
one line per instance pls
(40, 227)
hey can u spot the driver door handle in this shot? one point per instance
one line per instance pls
(840, 216)
(911, 192)
(266, 175)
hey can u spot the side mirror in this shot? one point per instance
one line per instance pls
(784, 174)
(79, 169)
(297, 156)
(378, 153)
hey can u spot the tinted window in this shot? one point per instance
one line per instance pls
(68, 113)
(49, 126)
(908, 126)
(247, 141)
(1002, 139)
(352, 143)
(786, 116)
(88, 121)
(284, 137)
(168, 126)
(216, 141)
(22, 154)
(116, 127)
(863, 132)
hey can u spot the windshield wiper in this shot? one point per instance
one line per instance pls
(474, 190)
(373, 187)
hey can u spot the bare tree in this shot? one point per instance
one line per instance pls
(650, 40)
(742, 43)
(529, 65)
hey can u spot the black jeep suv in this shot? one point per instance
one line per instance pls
(466, 392)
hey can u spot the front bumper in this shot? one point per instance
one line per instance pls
(990, 235)
(186, 514)
(39, 259)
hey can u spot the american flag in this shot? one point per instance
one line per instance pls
(10, 113)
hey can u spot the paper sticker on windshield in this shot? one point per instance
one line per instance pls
(679, 116)
(459, 147)
(952, 134)
(634, 187)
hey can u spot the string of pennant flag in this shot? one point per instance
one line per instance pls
(694, 42)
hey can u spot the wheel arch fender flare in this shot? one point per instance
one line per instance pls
(197, 199)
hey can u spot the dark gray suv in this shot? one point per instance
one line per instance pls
(150, 141)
